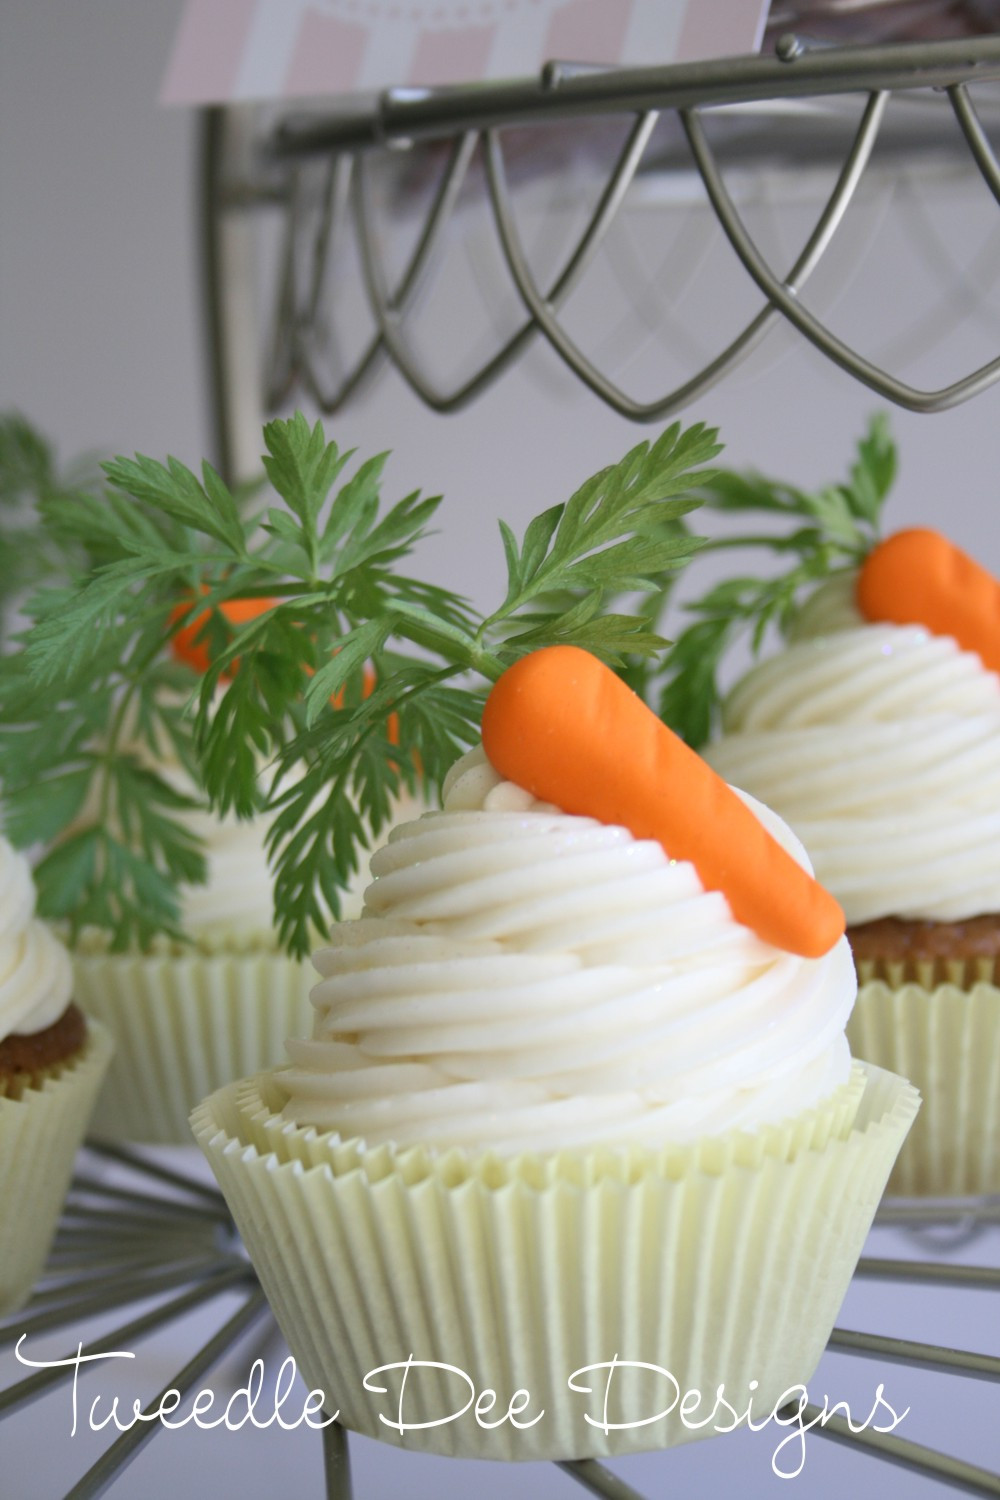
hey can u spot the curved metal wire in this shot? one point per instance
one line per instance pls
(473, 117)
(390, 322)
(904, 1453)
(337, 199)
(982, 152)
(868, 373)
(543, 311)
(963, 288)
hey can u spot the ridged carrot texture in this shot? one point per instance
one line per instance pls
(918, 577)
(560, 724)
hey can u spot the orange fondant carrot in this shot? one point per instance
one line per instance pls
(918, 577)
(185, 644)
(188, 649)
(561, 724)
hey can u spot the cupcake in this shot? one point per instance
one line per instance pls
(192, 1012)
(51, 1064)
(875, 732)
(564, 1117)
(330, 663)
(189, 1016)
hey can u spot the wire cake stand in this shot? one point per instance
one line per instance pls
(140, 1234)
(372, 196)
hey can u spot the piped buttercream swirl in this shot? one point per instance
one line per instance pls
(234, 906)
(880, 745)
(524, 979)
(35, 976)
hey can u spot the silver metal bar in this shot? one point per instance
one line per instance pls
(160, 1207)
(116, 1292)
(166, 1249)
(146, 1166)
(590, 1475)
(281, 363)
(333, 210)
(134, 1225)
(954, 1472)
(337, 1463)
(166, 1246)
(70, 1264)
(228, 297)
(952, 1212)
(542, 310)
(807, 324)
(64, 1292)
(411, 114)
(942, 1272)
(34, 1385)
(99, 1477)
(908, 1352)
(79, 1236)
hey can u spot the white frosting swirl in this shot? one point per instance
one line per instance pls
(238, 895)
(236, 901)
(525, 979)
(880, 745)
(36, 980)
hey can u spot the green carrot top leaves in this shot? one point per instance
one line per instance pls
(821, 533)
(354, 682)
(32, 482)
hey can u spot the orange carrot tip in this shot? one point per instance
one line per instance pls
(185, 643)
(919, 577)
(560, 724)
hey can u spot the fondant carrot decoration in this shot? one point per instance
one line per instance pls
(185, 644)
(918, 577)
(238, 611)
(560, 724)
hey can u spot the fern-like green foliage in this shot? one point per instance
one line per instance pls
(823, 532)
(357, 679)
(30, 482)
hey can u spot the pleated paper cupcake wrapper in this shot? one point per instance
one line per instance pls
(723, 1263)
(930, 973)
(183, 1026)
(946, 1040)
(42, 1125)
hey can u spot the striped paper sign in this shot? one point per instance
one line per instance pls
(228, 50)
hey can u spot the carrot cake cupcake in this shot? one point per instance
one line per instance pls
(875, 732)
(51, 1064)
(564, 1113)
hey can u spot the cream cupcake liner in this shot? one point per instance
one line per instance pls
(42, 1122)
(722, 1263)
(183, 1025)
(946, 1040)
(929, 973)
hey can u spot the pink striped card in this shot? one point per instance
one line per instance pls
(228, 50)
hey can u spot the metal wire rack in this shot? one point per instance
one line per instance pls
(439, 149)
(152, 1235)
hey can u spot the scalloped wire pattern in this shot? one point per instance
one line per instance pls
(472, 122)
